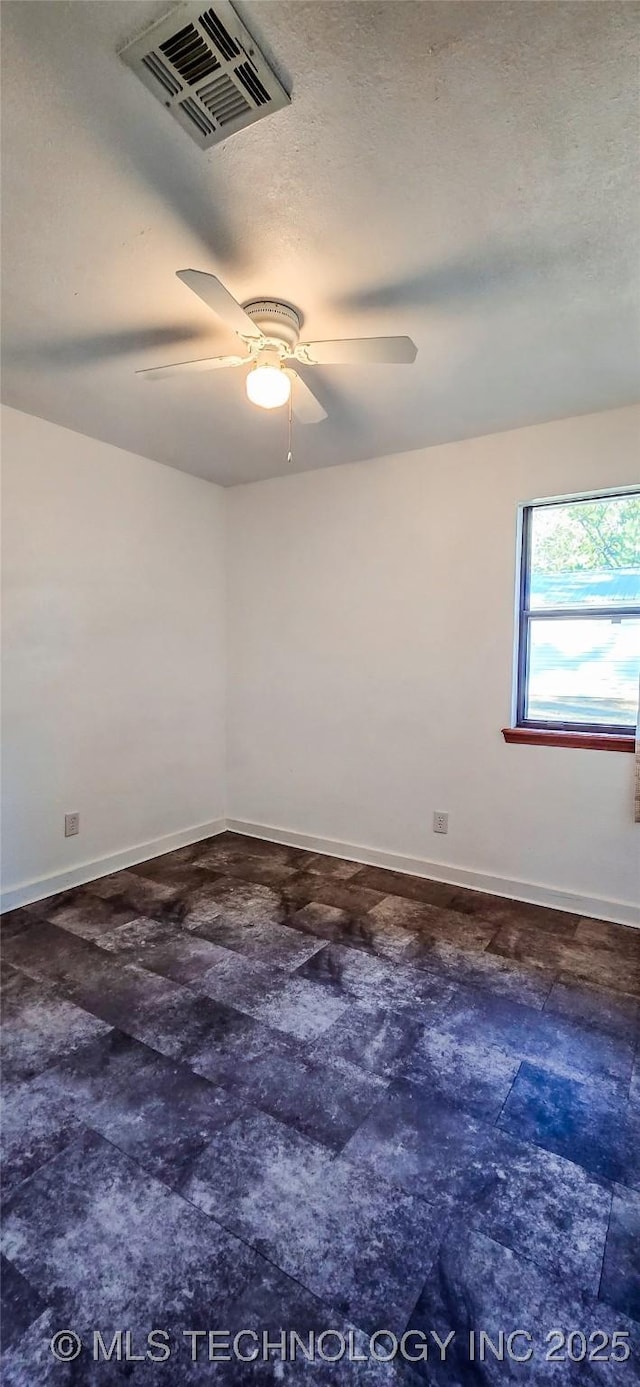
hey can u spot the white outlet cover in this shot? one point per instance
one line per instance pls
(71, 825)
(441, 821)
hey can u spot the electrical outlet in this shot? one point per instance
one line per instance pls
(440, 821)
(71, 825)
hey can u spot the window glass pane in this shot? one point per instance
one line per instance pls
(586, 553)
(584, 670)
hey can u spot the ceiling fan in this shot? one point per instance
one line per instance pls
(270, 331)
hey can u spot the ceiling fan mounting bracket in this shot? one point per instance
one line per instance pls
(279, 322)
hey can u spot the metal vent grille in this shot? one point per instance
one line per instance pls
(223, 100)
(206, 70)
(190, 55)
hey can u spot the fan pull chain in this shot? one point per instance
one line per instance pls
(290, 453)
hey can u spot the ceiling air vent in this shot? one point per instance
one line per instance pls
(206, 69)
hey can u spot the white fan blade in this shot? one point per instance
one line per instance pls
(303, 402)
(206, 363)
(351, 351)
(214, 294)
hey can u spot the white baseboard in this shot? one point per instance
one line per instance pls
(30, 891)
(620, 912)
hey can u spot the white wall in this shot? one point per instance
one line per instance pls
(371, 631)
(113, 634)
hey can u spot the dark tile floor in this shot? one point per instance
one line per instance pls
(252, 1088)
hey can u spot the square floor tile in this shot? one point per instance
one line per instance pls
(104, 1242)
(233, 902)
(153, 1109)
(52, 954)
(325, 1102)
(477, 1285)
(134, 939)
(39, 1026)
(598, 1007)
(87, 915)
(375, 1041)
(298, 1007)
(34, 1129)
(475, 1077)
(478, 1025)
(262, 941)
(485, 971)
(541, 1206)
(587, 1121)
(374, 983)
(183, 956)
(339, 868)
(20, 1304)
(364, 1247)
(369, 932)
(620, 1286)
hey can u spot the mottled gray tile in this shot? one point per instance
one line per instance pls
(546, 1208)
(155, 1110)
(373, 934)
(232, 902)
(51, 954)
(366, 1248)
(88, 915)
(476, 1025)
(325, 1102)
(477, 1285)
(542, 1206)
(159, 899)
(597, 1007)
(432, 922)
(39, 1026)
(377, 1041)
(463, 901)
(183, 956)
(603, 934)
(133, 940)
(15, 921)
(412, 888)
(238, 981)
(298, 1007)
(620, 1285)
(219, 1042)
(429, 1148)
(234, 848)
(106, 1243)
(271, 994)
(340, 868)
(262, 941)
(473, 1076)
(20, 1304)
(374, 983)
(345, 895)
(478, 968)
(579, 959)
(587, 1122)
(129, 997)
(262, 871)
(33, 1130)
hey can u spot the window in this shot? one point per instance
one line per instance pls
(579, 633)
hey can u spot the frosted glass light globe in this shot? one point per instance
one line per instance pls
(268, 386)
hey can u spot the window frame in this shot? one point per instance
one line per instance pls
(526, 616)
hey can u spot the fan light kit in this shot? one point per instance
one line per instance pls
(268, 386)
(270, 332)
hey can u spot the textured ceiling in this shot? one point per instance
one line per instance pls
(463, 173)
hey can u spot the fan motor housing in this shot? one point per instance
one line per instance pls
(280, 322)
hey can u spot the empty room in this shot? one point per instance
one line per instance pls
(320, 930)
